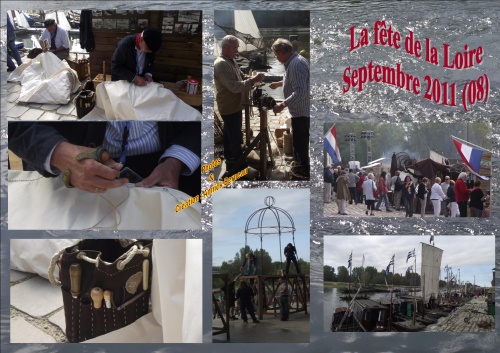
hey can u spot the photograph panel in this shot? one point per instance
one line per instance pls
(261, 265)
(105, 65)
(261, 76)
(104, 175)
(436, 284)
(105, 290)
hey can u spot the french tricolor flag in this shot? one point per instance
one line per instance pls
(330, 144)
(470, 155)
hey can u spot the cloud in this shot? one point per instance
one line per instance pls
(472, 254)
(233, 207)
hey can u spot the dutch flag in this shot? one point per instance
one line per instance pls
(330, 144)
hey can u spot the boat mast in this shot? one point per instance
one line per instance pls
(414, 291)
(392, 287)
(423, 292)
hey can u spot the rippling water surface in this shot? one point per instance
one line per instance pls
(455, 23)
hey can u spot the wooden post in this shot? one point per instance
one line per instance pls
(263, 143)
(247, 125)
(261, 297)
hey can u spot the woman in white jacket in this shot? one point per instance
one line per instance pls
(437, 195)
(368, 187)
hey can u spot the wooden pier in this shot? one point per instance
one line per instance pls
(471, 317)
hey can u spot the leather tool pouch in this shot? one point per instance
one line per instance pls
(84, 103)
(120, 266)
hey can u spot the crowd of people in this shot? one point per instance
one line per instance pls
(449, 198)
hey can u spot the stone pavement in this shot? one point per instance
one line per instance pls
(331, 210)
(466, 319)
(36, 111)
(270, 329)
(36, 310)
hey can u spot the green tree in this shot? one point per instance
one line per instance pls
(305, 267)
(357, 274)
(342, 274)
(370, 274)
(329, 274)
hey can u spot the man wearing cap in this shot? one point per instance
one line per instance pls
(57, 37)
(134, 56)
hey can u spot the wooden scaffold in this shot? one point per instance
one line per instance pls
(219, 307)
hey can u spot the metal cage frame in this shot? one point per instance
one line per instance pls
(279, 228)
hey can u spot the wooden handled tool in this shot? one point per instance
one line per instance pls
(107, 298)
(75, 277)
(104, 71)
(145, 274)
(97, 296)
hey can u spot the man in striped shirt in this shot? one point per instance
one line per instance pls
(296, 91)
(163, 153)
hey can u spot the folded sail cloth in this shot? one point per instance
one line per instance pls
(46, 79)
(122, 100)
(34, 255)
(45, 203)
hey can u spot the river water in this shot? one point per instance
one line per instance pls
(455, 23)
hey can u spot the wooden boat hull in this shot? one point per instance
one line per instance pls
(406, 325)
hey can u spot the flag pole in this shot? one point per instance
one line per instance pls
(414, 292)
(470, 143)
(392, 287)
(350, 268)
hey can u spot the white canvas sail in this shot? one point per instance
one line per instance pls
(244, 22)
(430, 269)
(436, 157)
(22, 22)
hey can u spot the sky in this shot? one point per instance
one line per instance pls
(473, 255)
(233, 207)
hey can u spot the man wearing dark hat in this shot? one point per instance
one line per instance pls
(134, 56)
(57, 38)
